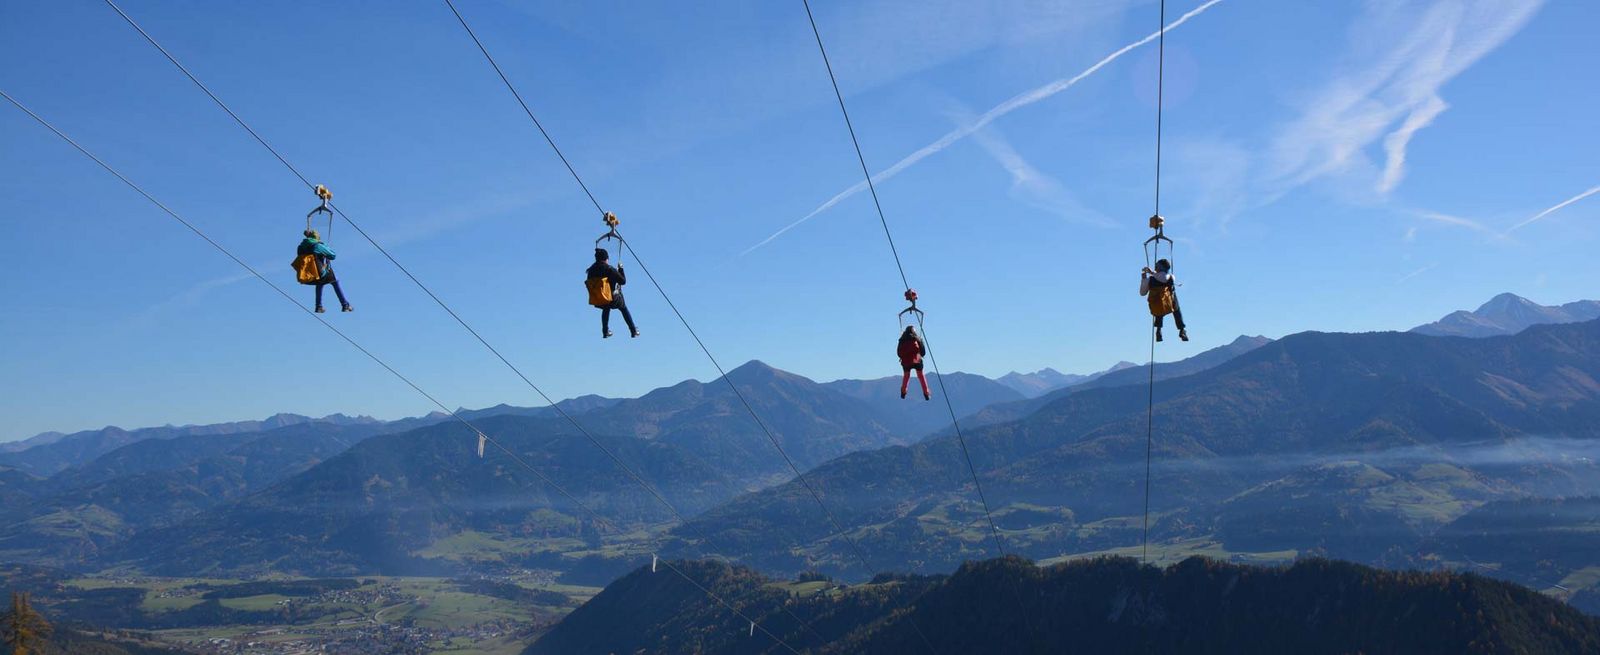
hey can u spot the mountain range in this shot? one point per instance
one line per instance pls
(1504, 314)
(386, 504)
(968, 393)
(68, 518)
(219, 496)
(1375, 447)
(52, 452)
(1349, 444)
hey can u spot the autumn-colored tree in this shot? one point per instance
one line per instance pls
(22, 627)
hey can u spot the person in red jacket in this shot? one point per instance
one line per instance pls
(911, 351)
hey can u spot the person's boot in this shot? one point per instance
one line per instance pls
(1183, 333)
(927, 396)
(636, 333)
(1158, 334)
(347, 308)
(319, 309)
(605, 335)
(902, 394)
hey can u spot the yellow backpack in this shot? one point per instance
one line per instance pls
(1161, 299)
(599, 291)
(306, 270)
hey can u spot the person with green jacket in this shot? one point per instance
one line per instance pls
(313, 245)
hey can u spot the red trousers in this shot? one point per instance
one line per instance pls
(905, 381)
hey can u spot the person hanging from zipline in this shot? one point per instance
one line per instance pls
(911, 351)
(1160, 288)
(313, 264)
(605, 291)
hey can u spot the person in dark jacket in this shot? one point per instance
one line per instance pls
(615, 276)
(313, 245)
(911, 351)
(1160, 290)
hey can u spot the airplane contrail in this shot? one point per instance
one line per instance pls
(1016, 102)
(1554, 209)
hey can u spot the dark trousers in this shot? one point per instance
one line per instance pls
(1177, 315)
(330, 279)
(620, 305)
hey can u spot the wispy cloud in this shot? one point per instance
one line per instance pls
(1455, 221)
(1407, 277)
(1016, 102)
(1034, 187)
(148, 316)
(1555, 208)
(1394, 145)
(1392, 92)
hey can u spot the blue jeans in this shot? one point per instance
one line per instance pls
(605, 314)
(330, 279)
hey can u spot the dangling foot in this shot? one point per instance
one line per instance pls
(902, 395)
(927, 396)
(605, 335)
(635, 333)
(1183, 334)
(319, 309)
(347, 308)
(1158, 334)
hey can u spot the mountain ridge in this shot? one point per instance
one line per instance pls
(1508, 313)
(1118, 376)
(1046, 380)
(56, 452)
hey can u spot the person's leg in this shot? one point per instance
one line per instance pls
(605, 321)
(344, 304)
(905, 381)
(1177, 314)
(319, 296)
(924, 382)
(627, 317)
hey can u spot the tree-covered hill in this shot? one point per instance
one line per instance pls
(1110, 605)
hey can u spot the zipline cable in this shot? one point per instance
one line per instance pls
(860, 158)
(425, 289)
(525, 109)
(627, 245)
(994, 530)
(1161, 88)
(1150, 411)
(599, 520)
(682, 520)
(966, 454)
(1150, 419)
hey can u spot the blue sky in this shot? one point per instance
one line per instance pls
(1340, 166)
